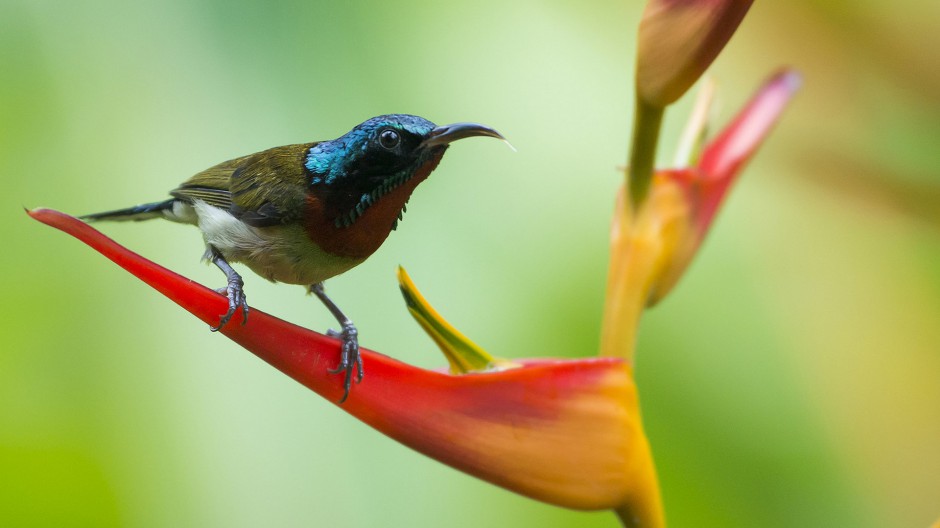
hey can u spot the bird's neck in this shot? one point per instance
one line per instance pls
(335, 225)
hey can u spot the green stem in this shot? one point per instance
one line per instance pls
(646, 123)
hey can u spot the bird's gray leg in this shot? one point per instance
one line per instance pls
(349, 355)
(234, 290)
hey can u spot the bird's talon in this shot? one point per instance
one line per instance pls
(349, 360)
(236, 299)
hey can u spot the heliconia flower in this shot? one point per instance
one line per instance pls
(652, 242)
(678, 40)
(567, 432)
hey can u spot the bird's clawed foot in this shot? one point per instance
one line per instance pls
(349, 358)
(235, 292)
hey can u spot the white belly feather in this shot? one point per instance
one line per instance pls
(278, 253)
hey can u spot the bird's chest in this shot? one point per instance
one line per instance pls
(278, 253)
(355, 228)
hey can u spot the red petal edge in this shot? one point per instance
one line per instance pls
(420, 408)
(725, 156)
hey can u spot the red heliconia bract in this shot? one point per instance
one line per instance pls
(562, 431)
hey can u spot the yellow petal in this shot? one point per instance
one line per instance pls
(463, 354)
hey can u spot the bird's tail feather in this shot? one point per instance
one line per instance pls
(136, 213)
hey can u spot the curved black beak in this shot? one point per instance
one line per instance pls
(446, 134)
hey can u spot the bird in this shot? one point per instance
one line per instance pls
(307, 212)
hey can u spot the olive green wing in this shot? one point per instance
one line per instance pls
(263, 189)
(211, 185)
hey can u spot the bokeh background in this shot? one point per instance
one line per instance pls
(793, 378)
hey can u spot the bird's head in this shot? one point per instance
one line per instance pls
(355, 172)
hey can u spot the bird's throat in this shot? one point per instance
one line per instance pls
(358, 227)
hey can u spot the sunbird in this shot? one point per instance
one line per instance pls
(303, 213)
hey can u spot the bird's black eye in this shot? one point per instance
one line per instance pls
(389, 139)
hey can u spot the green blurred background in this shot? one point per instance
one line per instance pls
(793, 379)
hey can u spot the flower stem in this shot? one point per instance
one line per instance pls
(646, 123)
(633, 258)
